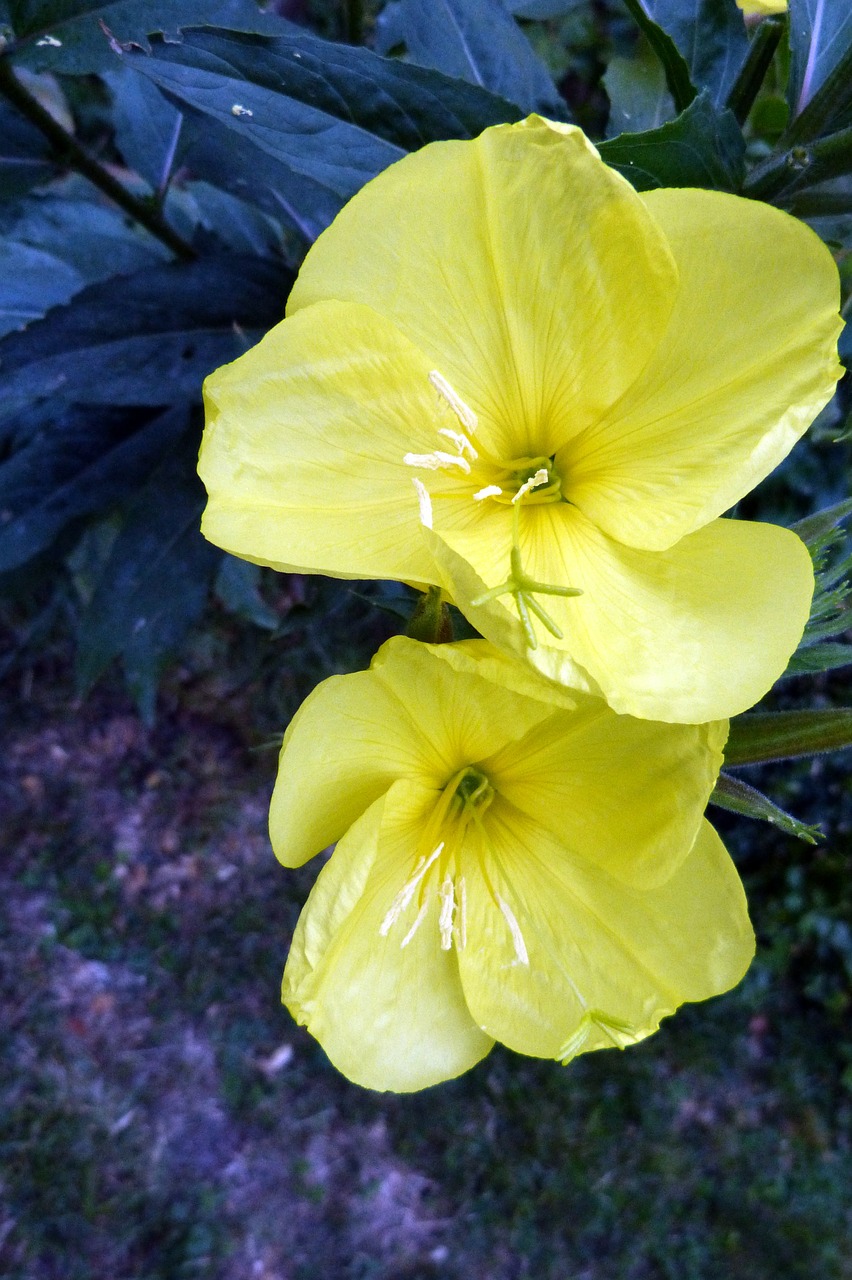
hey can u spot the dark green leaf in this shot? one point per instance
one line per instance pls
(25, 159)
(813, 529)
(674, 64)
(96, 240)
(785, 735)
(31, 282)
(66, 35)
(145, 339)
(474, 40)
(154, 584)
(701, 148)
(358, 112)
(820, 85)
(542, 9)
(147, 127)
(738, 797)
(77, 463)
(817, 658)
(238, 589)
(637, 91)
(710, 36)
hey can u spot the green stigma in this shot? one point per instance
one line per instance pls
(474, 791)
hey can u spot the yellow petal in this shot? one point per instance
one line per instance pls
(421, 712)
(388, 1016)
(626, 795)
(699, 632)
(762, 6)
(303, 451)
(562, 959)
(748, 361)
(505, 260)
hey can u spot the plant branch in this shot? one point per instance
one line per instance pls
(783, 176)
(68, 150)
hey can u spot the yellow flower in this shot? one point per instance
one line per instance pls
(512, 865)
(506, 373)
(750, 7)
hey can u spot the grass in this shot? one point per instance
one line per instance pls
(162, 1116)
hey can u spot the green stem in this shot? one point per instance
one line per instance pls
(782, 176)
(354, 21)
(68, 150)
(761, 52)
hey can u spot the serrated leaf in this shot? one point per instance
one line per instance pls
(738, 797)
(820, 59)
(474, 40)
(703, 147)
(358, 112)
(154, 584)
(76, 464)
(66, 35)
(710, 36)
(145, 339)
(785, 735)
(31, 282)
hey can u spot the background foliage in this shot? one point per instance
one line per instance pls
(163, 168)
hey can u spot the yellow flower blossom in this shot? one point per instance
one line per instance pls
(762, 7)
(514, 864)
(507, 374)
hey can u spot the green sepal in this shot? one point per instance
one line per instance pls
(738, 797)
(786, 735)
(430, 621)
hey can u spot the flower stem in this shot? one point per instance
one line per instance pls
(68, 150)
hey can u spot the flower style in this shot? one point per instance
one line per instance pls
(513, 864)
(507, 374)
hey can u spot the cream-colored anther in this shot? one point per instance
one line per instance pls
(515, 930)
(463, 411)
(424, 501)
(408, 890)
(438, 461)
(490, 491)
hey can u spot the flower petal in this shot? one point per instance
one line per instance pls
(505, 260)
(747, 362)
(388, 1016)
(695, 633)
(626, 795)
(568, 959)
(303, 452)
(419, 713)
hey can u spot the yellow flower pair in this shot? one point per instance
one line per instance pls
(507, 374)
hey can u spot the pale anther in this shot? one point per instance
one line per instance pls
(515, 930)
(239, 110)
(463, 412)
(460, 440)
(407, 891)
(490, 491)
(418, 920)
(437, 460)
(425, 503)
(445, 920)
